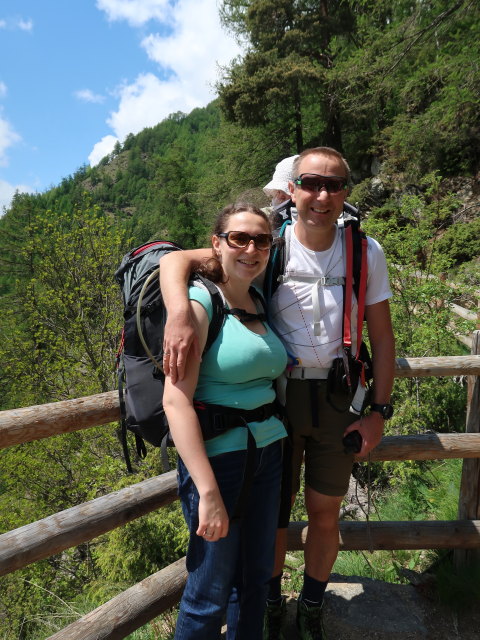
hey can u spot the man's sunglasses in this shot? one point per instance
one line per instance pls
(314, 182)
(241, 240)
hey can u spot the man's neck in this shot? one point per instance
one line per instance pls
(315, 239)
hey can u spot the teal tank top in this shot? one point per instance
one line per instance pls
(238, 371)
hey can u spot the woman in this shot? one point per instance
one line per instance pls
(237, 371)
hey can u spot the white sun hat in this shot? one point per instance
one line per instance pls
(281, 176)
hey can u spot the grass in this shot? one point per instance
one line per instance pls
(161, 628)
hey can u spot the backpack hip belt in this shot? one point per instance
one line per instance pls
(216, 419)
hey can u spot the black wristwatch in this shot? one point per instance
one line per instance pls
(385, 410)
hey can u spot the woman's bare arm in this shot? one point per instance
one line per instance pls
(187, 435)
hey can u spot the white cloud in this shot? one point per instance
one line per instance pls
(7, 191)
(194, 48)
(86, 95)
(3, 89)
(25, 25)
(16, 23)
(136, 12)
(188, 56)
(146, 102)
(102, 149)
(8, 137)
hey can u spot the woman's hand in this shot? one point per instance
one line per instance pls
(212, 517)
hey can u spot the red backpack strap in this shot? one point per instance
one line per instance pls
(362, 290)
(359, 263)
(347, 298)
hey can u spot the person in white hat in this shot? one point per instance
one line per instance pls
(277, 189)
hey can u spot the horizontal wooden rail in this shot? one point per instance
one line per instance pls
(79, 524)
(131, 609)
(54, 418)
(73, 526)
(466, 314)
(43, 421)
(427, 446)
(437, 367)
(134, 607)
(418, 534)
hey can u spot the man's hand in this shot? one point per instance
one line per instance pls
(371, 429)
(179, 339)
(180, 329)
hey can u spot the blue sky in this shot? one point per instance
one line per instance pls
(78, 75)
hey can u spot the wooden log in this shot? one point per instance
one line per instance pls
(54, 418)
(466, 314)
(79, 524)
(82, 523)
(131, 609)
(42, 421)
(427, 446)
(371, 536)
(438, 367)
(469, 502)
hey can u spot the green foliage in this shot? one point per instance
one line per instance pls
(143, 546)
(282, 78)
(392, 81)
(60, 326)
(461, 242)
(432, 494)
(409, 229)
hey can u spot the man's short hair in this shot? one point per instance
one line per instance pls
(322, 151)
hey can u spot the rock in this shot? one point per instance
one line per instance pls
(361, 608)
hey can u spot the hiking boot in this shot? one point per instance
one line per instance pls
(309, 622)
(273, 620)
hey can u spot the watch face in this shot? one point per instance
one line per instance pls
(385, 410)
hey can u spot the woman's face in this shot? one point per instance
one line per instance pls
(247, 263)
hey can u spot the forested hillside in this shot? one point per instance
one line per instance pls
(394, 85)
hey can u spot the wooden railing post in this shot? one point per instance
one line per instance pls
(469, 503)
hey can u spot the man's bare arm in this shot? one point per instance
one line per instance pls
(180, 334)
(382, 342)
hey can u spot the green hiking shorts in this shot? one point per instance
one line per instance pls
(317, 431)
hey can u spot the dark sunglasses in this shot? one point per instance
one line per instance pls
(314, 182)
(241, 240)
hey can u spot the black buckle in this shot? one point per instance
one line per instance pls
(218, 423)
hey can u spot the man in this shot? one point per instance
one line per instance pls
(314, 337)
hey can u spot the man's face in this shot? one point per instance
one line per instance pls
(278, 197)
(319, 209)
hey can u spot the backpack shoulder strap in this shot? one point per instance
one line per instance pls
(257, 297)
(218, 316)
(356, 273)
(277, 263)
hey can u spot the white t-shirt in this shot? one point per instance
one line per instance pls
(292, 308)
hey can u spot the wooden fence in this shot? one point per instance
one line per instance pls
(147, 599)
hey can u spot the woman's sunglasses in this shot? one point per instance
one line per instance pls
(314, 182)
(241, 240)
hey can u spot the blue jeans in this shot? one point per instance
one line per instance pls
(242, 562)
